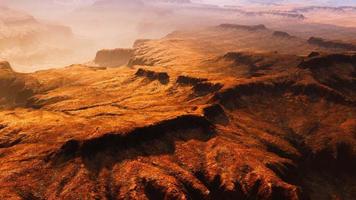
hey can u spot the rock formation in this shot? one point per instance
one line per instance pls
(282, 34)
(243, 27)
(201, 123)
(331, 44)
(113, 57)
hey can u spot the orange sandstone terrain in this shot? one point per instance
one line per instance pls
(216, 113)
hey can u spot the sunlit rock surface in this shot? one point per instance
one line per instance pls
(192, 118)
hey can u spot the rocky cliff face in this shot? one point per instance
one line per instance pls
(201, 123)
(332, 44)
(5, 66)
(16, 89)
(114, 57)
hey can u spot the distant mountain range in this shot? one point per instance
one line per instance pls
(276, 2)
(78, 3)
(139, 2)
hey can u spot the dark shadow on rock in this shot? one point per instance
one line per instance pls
(216, 114)
(156, 139)
(162, 77)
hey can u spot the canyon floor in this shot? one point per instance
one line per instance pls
(226, 112)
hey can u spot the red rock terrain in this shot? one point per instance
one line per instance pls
(113, 57)
(216, 114)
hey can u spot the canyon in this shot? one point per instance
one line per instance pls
(214, 113)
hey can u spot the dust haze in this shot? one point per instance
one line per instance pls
(42, 34)
(177, 99)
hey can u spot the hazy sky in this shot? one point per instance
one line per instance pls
(216, 2)
(301, 2)
(234, 2)
(95, 29)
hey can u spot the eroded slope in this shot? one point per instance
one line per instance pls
(232, 125)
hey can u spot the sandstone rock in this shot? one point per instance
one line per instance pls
(113, 57)
(331, 44)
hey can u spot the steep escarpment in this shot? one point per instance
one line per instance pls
(114, 142)
(185, 121)
(162, 77)
(336, 71)
(200, 86)
(243, 27)
(248, 64)
(332, 44)
(282, 34)
(299, 106)
(113, 57)
(181, 49)
(15, 88)
(324, 147)
(140, 42)
(5, 66)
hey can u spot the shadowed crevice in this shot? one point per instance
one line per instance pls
(155, 139)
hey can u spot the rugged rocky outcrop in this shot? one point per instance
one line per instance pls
(162, 77)
(113, 57)
(237, 125)
(15, 91)
(216, 114)
(200, 86)
(247, 64)
(5, 66)
(136, 60)
(187, 80)
(114, 143)
(140, 42)
(322, 61)
(337, 71)
(243, 27)
(242, 58)
(331, 44)
(313, 54)
(282, 34)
